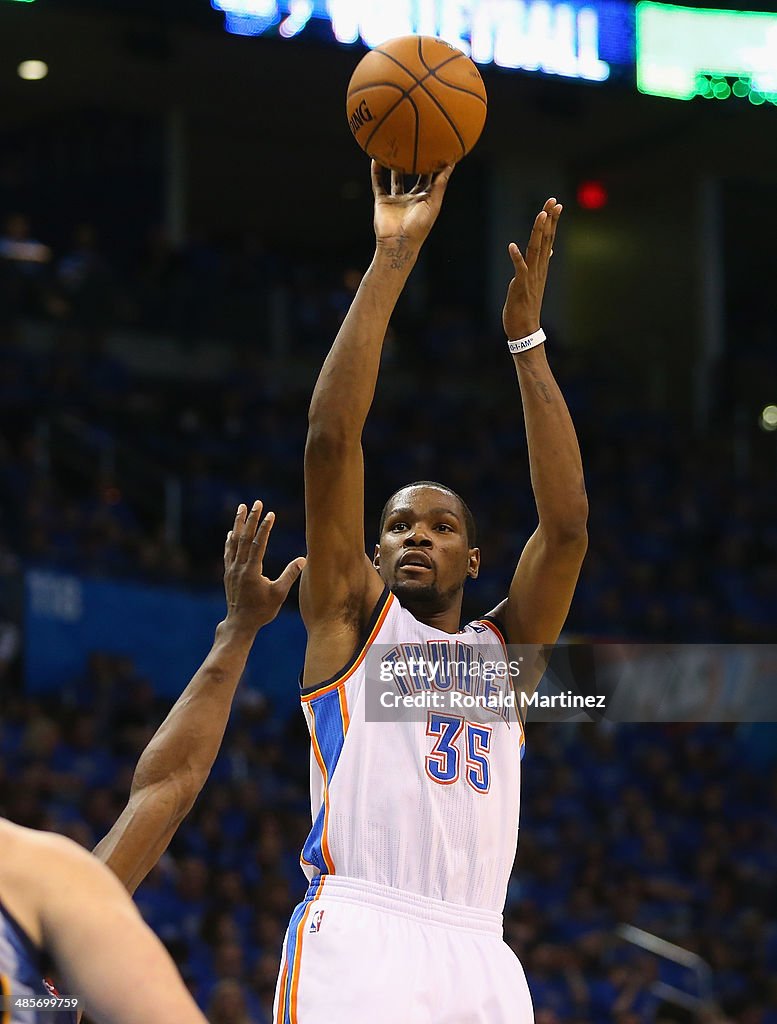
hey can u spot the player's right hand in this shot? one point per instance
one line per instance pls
(253, 600)
(407, 216)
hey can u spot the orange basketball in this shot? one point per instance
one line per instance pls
(415, 104)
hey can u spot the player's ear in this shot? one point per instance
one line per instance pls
(473, 568)
(376, 557)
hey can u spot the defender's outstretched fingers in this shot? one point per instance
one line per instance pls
(397, 183)
(376, 173)
(235, 533)
(285, 581)
(247, 535)
(259, 545)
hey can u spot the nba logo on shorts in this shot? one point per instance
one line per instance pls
(315, 924)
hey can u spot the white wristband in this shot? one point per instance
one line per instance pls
(530, 341)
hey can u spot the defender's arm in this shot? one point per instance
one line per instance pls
(175, 765)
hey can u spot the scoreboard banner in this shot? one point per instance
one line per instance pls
(584, 40)
(660, 49)
(663, 49)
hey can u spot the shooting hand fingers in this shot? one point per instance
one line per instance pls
(376, 173)
(423, 184)
(439, 181)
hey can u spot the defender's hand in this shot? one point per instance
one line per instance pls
(521, 313)
(252, 599)
(403, 220)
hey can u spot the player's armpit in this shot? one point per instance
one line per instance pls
(334, 641)
(542, 588)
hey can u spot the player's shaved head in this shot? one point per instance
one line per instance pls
(468, 518)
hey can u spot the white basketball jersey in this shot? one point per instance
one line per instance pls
(429, 806)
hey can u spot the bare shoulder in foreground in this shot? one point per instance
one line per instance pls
(76, 913)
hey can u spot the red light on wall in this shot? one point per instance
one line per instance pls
(591, 195)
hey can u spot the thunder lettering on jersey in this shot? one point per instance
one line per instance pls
(428, 807)
(21, 974)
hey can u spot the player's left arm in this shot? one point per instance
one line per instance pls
(175, 765)
(545, 578)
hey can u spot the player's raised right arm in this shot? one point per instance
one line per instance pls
(339, 587)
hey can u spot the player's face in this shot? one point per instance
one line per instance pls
(423, 554)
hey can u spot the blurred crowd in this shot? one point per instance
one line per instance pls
(670, 829)
(110, 469)
(113, 466)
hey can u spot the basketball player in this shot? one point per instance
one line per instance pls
(174, 767)
(415, 823)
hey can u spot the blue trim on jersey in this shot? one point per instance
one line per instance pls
(329, 730)
(311, 851)
(291, 949)
(314, 890)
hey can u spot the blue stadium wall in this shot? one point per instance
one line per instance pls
(167, 633)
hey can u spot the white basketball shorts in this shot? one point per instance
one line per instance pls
(357, 952)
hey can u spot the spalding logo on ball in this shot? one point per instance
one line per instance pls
(415, 104)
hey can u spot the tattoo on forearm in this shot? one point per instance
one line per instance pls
(399, 253)
(540, 387)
